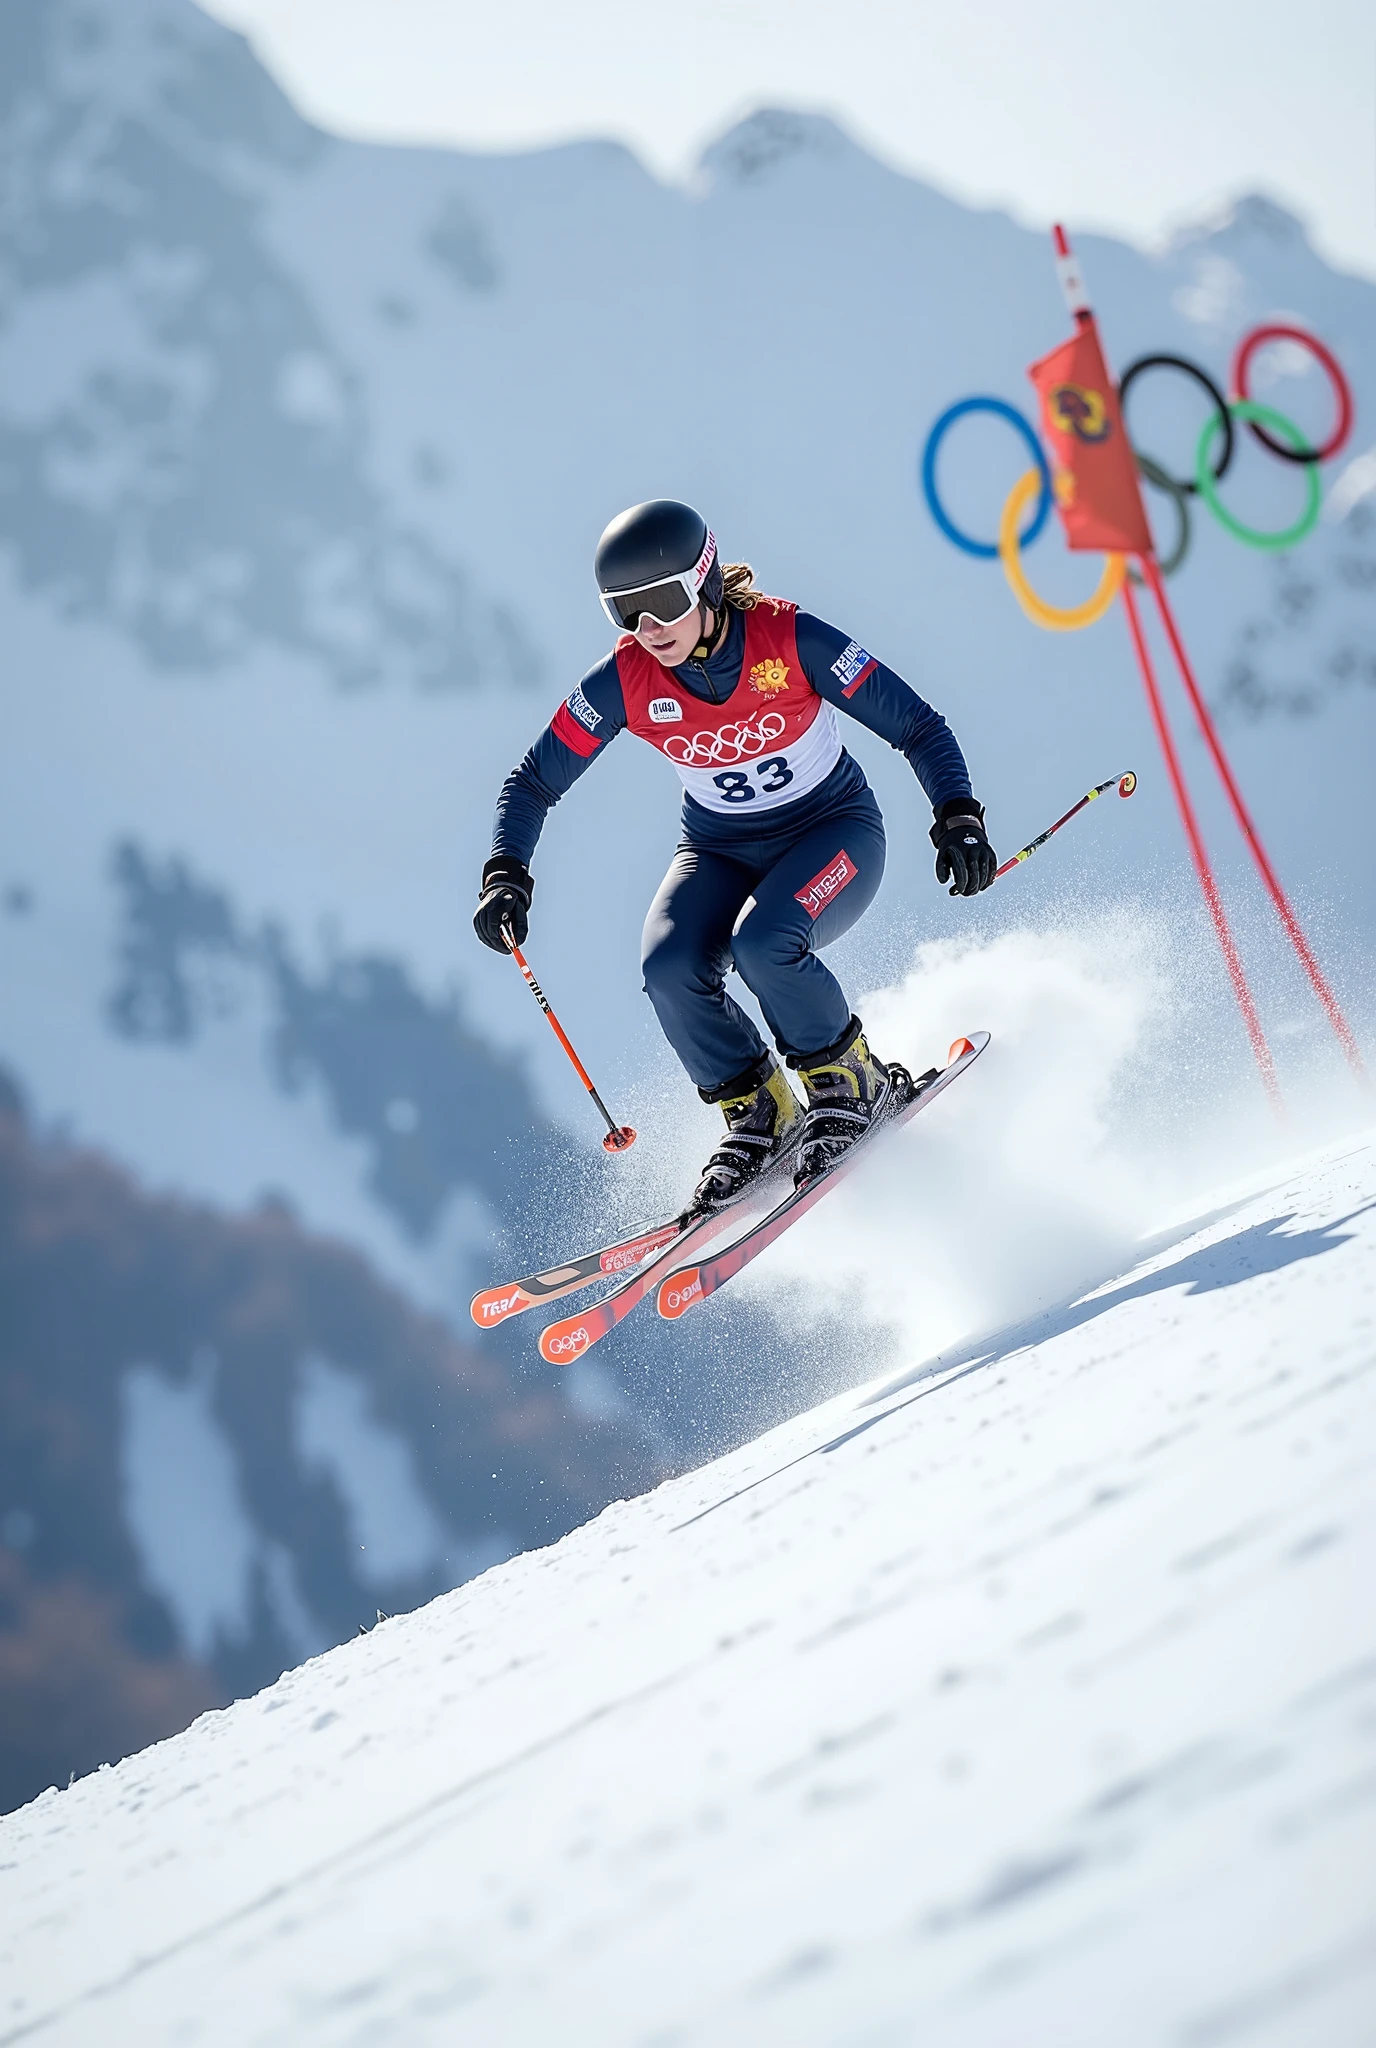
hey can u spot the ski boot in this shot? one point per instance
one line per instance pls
(764, 1120)
(848, 1089)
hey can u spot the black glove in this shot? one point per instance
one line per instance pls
(963, 854)
(504, 899)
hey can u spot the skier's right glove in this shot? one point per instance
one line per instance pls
(964, 856)
(504, 899)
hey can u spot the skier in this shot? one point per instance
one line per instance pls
(782, 846)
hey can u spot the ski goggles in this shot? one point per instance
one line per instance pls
(667, 601)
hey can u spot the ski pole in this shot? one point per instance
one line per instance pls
(619, 1136)
(1126, 785)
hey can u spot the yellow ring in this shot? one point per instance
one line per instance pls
(1056, 618)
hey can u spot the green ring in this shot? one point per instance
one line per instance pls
(1259, 415)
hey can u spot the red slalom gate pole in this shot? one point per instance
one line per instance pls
(620, 1137)
(1260, 1049)
(1248, 830)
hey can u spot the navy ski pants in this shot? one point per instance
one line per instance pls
(764, 907)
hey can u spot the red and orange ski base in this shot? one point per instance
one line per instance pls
(562, 1342)
(514, 1297)
(686, 1286)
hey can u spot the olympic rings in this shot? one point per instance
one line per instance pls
(1298, 452)
(727, 744)
(1290, 536)
(1154, 474)
(1208, 474)
(1054, 617)
(1201, 377)
(928, 472)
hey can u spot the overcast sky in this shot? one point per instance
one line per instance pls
(1112, 116)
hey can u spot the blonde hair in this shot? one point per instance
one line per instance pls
(738, 586)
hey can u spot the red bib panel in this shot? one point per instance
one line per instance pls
(772, 741)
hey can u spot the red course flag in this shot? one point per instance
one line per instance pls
(1092, 467)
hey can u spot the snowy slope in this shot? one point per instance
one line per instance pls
(304, 446)
(1024, 1695)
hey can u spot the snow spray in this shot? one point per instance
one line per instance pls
(1111, 1101)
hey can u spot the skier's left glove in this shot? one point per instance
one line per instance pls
(504, 899)
(964, 856)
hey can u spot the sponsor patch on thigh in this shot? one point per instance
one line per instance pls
(832, 879)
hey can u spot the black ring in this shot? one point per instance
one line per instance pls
(1190, 369)
(1154, 474)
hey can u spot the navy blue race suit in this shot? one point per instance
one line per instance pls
(758, 887)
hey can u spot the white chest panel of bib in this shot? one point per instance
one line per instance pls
(758, 762)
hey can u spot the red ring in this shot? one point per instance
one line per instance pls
(1248, 347)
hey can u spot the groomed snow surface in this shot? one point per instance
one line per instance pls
(1028, 1697)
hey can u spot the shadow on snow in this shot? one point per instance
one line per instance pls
(1266, 1247)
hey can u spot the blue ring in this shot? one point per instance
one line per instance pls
(1007, 412)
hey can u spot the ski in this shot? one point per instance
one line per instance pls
(564, 1341)
(495, 1304)
(686, 1286)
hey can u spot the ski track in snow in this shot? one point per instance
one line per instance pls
(1027, 1694)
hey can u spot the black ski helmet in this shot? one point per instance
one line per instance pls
(651, 543)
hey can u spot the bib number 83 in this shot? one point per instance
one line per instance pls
(737, 788)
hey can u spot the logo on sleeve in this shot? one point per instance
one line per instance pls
(583, 711)
(666, 710)
(851, 667)
(769, 677)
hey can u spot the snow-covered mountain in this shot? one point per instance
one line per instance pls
(224, 1445)
(1025, 1694)
(304, 448)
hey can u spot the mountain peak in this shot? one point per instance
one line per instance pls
(162, 63)
(754, 149)
(1251, 218)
